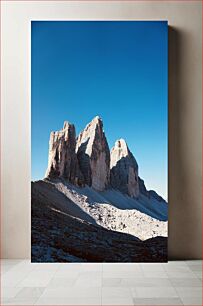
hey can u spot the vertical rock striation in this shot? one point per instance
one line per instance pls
(93, 155)
(87, 160)
(62, 157)
(124, 169)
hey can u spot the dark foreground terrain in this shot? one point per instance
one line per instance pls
(58, 236)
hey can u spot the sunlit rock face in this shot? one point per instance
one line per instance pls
(62, 159)
(124, 169)
(88, 161)
(93, 155)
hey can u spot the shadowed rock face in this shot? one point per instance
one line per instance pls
(124, 169)
(149, 193)
(142, 187)
(62, 157)
(93, 155)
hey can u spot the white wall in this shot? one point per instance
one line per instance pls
(184, 112)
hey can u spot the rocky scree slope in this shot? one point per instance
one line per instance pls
(62, 233)
(99, 191)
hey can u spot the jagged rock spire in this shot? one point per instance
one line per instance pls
(93, 155)
(87, 160)
(62, 157)
(124, 169)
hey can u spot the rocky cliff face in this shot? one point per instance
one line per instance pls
(62, 160)
(149, 193)
(87, 161)
(142, 187)
(82, 210)
(93, 155)
(124, 169)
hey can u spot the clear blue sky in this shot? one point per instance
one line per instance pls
(117, 70)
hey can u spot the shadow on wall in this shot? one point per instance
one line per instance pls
(184, 206)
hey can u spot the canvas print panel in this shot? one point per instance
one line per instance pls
(99, 113)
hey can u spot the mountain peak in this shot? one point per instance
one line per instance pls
(96, 122)
(122, 147)
(67, 125)
(97, 119)
(121, 143)
(93, 155)
(124, 169)
(62, 159)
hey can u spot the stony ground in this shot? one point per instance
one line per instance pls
(64, 232)
(110, 209)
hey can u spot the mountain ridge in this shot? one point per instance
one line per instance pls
(90, 162)
(92, 206)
